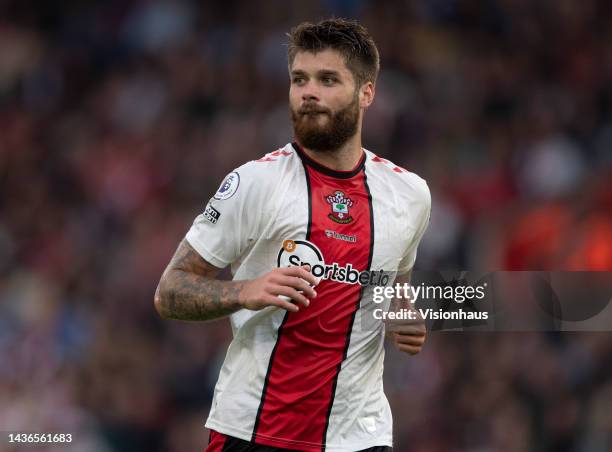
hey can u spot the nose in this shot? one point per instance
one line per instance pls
(310, 92)
(309, 97)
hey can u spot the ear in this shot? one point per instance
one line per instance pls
(366, 94)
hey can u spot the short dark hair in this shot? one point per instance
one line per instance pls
(348, 37)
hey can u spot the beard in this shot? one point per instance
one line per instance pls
(340, 126)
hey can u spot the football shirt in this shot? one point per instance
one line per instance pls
(311, 380)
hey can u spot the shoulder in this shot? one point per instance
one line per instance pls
(393, 178)
(262, 174)
(270, 166)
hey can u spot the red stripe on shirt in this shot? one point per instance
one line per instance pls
(216, 442)
(312, 343)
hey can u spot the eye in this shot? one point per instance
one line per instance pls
(328, 80)
(298, 80)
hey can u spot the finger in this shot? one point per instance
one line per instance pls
(298, 284)
(409, 340)
(304, 273)
(289, 292)
(400, 325)
(312, 279)
(300, 272)
(271, 300)
(416, 330)
(413, 350)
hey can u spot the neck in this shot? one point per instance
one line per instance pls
(345, 158)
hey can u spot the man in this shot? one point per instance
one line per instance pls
(309, 230)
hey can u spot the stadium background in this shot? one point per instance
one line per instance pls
(118, 120)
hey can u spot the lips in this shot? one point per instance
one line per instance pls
(312, 110)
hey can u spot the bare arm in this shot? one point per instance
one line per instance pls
(189, 290)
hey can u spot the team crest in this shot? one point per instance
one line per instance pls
(340, 207)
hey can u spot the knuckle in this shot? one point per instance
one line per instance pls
(270, 301)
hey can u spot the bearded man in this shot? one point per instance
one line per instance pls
(308, 230)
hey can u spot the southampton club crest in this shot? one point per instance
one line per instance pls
(340, 207)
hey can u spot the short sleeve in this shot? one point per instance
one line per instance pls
(424, 213)
(229, 222)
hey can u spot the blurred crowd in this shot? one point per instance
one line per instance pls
(118, 120)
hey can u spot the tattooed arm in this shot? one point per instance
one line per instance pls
(189, 290)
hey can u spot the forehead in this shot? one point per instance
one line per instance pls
(325, 60)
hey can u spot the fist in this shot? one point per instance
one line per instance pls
(407, 334)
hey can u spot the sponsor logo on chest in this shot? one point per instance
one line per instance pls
(301, 252)
(344, 237)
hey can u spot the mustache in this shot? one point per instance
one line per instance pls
(308, 109)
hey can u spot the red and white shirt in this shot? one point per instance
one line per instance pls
(311, 380)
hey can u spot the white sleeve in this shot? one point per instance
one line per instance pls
(409, 258)
(230, 220)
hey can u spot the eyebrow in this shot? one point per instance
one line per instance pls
(321, 73)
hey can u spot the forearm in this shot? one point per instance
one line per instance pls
(189, 290)
(183, 295)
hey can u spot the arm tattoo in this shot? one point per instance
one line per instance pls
(188, 289)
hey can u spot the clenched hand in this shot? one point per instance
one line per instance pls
(279, 287)
(409, 334)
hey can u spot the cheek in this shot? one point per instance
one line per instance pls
(342, 98)
(337, 103)
(294, 97)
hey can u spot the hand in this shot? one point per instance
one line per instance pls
(409, 334)
(295, 283)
